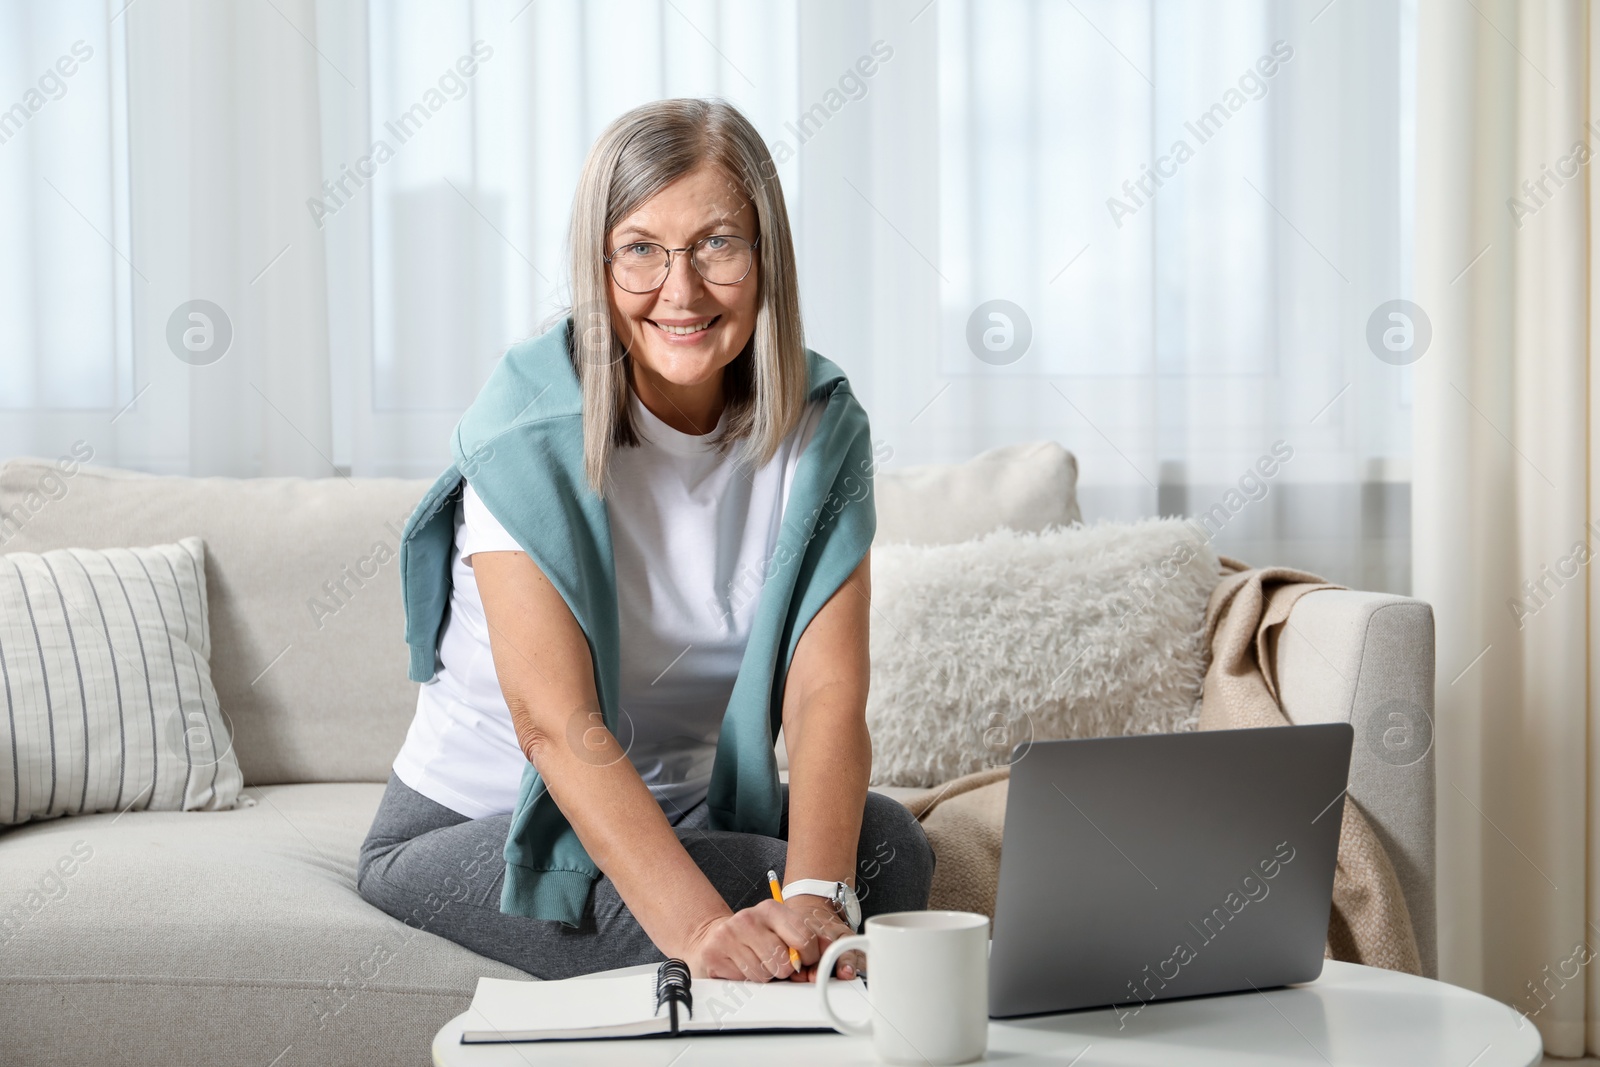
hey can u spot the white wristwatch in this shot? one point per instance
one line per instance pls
(841, 894)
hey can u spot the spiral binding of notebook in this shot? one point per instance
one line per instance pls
(672, 989)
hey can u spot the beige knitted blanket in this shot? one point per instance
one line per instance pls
(1369, 923)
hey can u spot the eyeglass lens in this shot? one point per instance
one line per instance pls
(641, 266)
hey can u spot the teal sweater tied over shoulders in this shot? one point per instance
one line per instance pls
(520, 445)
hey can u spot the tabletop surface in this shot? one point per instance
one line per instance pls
(1350, 1015)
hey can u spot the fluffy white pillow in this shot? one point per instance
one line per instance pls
(1012, 637)
(105, 685)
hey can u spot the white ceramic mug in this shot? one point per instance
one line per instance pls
(927, 980)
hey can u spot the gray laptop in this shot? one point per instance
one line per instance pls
(1166, 865)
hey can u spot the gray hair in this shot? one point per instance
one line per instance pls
(637, 156)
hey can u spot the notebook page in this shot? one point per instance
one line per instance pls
(506, 1009)
(723, 1004)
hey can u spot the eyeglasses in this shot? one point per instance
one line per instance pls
(643, 266)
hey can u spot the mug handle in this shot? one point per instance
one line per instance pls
(825, 975)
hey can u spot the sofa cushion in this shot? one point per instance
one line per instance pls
(217, 937)
(1028, 486)
(1017, 637)
(107, 685)
(308, 657)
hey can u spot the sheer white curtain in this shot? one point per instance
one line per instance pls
(65, 330)
(1187, 320)
(414, 164)
(1508, 481)
(169, 170)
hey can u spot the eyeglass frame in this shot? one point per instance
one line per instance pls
(671, 252)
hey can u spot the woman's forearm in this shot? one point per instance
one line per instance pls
(830, 764)
(624, 830)
(542, 661)
(825, 732)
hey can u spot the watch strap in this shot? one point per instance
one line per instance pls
(834, 891)
(817, 887)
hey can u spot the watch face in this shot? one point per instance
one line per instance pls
(852, 906)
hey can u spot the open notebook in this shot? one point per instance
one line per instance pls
(661, 1000)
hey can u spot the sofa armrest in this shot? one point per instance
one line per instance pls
(1367, 659)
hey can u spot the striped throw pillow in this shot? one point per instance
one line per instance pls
(106, 687)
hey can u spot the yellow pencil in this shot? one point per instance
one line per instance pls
(777, 894)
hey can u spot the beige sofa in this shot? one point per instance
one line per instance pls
(238, 937)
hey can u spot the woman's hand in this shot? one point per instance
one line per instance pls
(750, 945)
(753, 944)
(826, 927)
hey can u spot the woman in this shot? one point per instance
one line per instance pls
(589, 780)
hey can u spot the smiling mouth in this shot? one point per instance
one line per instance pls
(690, 330)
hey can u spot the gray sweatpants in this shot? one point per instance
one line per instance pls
(439, 871)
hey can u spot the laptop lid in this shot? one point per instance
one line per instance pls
(1166, 865)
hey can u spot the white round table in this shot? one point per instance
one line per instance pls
(1350, 1015)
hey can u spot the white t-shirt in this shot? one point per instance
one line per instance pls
(692, 534)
